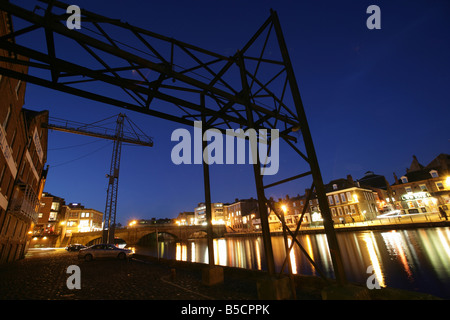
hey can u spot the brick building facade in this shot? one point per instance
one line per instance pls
(23, 145)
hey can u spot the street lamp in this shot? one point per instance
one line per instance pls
(132, 223)
(447, 182)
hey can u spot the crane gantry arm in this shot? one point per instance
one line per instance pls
(98, 131)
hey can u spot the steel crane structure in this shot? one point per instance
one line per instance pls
(132, 135)
(254, 88)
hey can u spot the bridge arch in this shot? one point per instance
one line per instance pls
(131, 236)
(150, 237)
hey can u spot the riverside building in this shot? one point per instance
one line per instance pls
(423, 189)
(23, 144)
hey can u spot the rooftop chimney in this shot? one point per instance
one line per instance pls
(395, 178)
(350, 179)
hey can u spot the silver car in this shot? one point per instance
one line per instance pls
(99, 251)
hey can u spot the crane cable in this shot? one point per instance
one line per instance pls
(81, 157)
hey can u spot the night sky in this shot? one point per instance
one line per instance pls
(373, 98)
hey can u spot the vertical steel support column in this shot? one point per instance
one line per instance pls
(314, 165)
(207, 185)
(262, 206)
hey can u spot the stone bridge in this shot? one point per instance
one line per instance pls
(133, 235)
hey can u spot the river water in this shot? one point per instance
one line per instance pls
(417, 259)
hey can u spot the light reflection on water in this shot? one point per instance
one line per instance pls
(408, 259)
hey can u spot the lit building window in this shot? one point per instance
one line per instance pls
(330, 199)
(336, 199)
(434, 173)
(55, 206)
(404, 179)
(349, 196)
(52, 216)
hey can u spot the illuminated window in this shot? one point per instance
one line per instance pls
(349, 196)
(352, 209)
(440, 185)
(434, 173)
(55, 206)
(333, 212)
(335, 187)
(330, 199)
(408, 189)
(343, 197)
(423, 187)
(404, 179)
(336, 199)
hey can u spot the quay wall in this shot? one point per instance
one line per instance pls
(352, 228)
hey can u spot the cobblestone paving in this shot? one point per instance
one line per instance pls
(43, 275)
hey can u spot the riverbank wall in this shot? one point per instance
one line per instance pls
(370, 226)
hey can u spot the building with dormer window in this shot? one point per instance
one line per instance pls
(423, 189)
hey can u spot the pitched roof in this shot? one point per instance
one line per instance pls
(418, 172)
(340, 184)
(371, 179)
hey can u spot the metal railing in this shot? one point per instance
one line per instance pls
(26, 203)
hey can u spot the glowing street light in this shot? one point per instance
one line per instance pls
(447, 182)
(132, 223)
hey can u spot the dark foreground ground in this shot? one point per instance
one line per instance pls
(42, 275)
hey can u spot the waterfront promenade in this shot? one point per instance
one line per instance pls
(42, 275)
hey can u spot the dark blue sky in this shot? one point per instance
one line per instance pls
(373, 99)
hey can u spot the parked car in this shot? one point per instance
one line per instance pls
(75, 247)
(99, 251)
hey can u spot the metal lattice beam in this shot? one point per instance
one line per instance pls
(175, 81)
